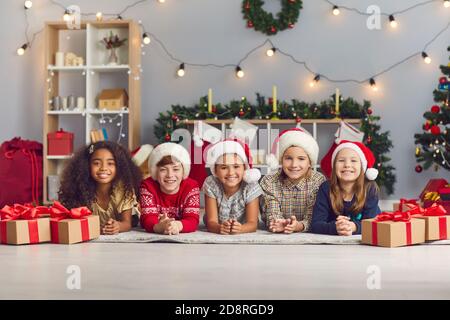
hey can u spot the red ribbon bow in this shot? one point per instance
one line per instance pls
(22, 212)
(59, 212)
(404, 201)
(394, 216)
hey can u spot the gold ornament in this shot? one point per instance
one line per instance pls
(417, 151)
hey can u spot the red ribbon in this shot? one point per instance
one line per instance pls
(396, 217)
(435, 210)
(59, 212)
(22, 212)
(404, 201)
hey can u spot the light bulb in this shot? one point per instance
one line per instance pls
(180, 71)
(66, 16)
(270, 52)
(99, 16)
(21, 50)
(314, 81)
(373, 84)
(426, 58)
(392, 21)
(161, 1)
(146, 38)
(446, 4)
(336, 10)
(28, 4)
(239, 72)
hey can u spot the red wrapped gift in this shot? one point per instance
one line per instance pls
(59, 143)
(24, 224)
(405, 204)
(73, 226)
(393, 229)
(445, 193)
(437, 223)
(430, 194)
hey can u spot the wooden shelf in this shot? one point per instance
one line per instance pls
(126, 111)
(65, 112)
(67, 68)
(106, 68)
(284, 121)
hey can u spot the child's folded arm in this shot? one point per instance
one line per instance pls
(320, 214)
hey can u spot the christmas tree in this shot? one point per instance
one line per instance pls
(434, 143)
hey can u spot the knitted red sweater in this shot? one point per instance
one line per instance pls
(183, 206)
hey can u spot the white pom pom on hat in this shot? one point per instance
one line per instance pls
(230, 146)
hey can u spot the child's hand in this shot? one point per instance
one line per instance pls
(344, 226)
(292, 226)
(225, 227)
(163, 224)
(277, 225)
(111, 227)
(174, 227)
(236, 227)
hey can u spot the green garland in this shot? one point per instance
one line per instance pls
(377, 141)
(264, 21)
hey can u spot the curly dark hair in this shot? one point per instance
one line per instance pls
(78, 187)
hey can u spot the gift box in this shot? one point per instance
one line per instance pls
(73, 226)
(394, 229)
(59, 143)
(404, 204)
(24, 224)
(430, 194)
(437, 222)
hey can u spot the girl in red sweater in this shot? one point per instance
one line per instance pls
(170, 201)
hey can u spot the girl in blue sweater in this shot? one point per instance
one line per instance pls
(351, 195)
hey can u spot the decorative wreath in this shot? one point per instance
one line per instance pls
(265, 22)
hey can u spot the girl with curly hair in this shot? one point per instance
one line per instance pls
(103, 177)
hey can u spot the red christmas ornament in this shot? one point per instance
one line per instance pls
(435, 109)
(290, 25)
(247, 6)
(249, 24)
(270, 101)
(369, 111)
(369, 139)
(273, 29)
(214, 109)
(292, 1)
(241, 113)
(174, 117)
(167, 137)
(443, 80)
(419, 168)
(298, 119)
(427, 126)
(435, 130)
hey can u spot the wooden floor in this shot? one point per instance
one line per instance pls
(178, 271)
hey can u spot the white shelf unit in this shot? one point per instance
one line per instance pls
(265, 142)
(88, 81)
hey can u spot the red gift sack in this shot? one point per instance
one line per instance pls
(20, 172)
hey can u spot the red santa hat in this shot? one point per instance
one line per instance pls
(215, 151)
(295, 137)
(366, 156)
(174, 150)
(141, 154)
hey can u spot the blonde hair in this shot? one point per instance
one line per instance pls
(361, 188)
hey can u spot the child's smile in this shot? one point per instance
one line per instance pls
(103, 166)
(295, 163)
(348, 165)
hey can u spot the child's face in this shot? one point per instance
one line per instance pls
(170, 177)
(295, 163)
(230, 170)
(103, 166)
(347, 165)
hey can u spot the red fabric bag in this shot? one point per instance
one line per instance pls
(20, 172)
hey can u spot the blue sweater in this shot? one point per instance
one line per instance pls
(324, 218)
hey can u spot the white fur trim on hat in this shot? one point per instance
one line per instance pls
(169, 149)
(142, 154)
(300, 139)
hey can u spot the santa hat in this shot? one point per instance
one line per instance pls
(141, 154)
(215, 151)
(174, 150)
(296, 137)
(364, 153)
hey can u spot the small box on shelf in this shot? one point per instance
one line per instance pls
(113, 99)
(60, 143)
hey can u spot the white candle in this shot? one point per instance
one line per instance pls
(81, 103)
(274, 99)
(337, 102)
(59, 59)
(210, 100)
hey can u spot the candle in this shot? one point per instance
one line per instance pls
(210, 100)
(59, 59)
(274, 99)
(337, 102)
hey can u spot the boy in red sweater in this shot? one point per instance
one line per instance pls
(170, 201)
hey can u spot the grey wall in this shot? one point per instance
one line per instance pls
(214, 31)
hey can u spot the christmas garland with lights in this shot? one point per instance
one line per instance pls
(377, 141)
(264, 21)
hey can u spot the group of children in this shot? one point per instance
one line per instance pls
(296, 198)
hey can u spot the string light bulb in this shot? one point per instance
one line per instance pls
(270, 52)
(28, 4)
(336, 10)
(426, 58)
(314, 81)
(99, 16)
(146, 38)
(180, 71)
(392, 21)
(239, 72)
(66, 16)
(21, 50)
(373, 84)
(161, 1)
(446, 3)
